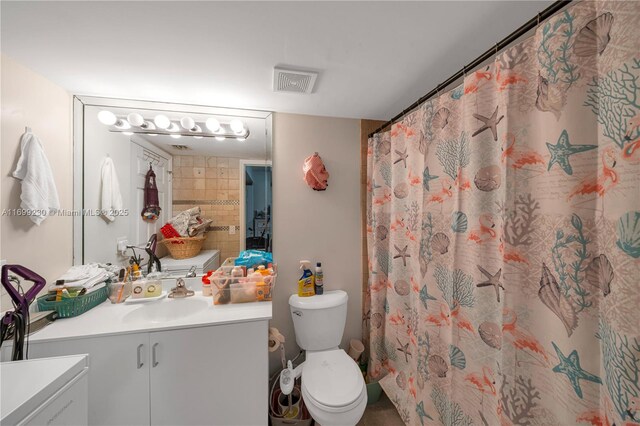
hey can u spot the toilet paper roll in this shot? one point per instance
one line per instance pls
(275, 339)
(273, 345)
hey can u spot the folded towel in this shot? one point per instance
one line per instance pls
(39, 194)
(86, 276)
(111, 198)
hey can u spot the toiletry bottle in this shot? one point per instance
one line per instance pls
(319, 279)
(306, 281)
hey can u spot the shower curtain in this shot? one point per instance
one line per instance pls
(503, 228)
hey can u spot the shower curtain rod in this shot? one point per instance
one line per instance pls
(529, 25)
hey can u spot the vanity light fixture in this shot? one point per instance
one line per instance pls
(135, 123)
(122, 125)
(213, 125)
(135, 119)
(107, 118)
(162, 121)
(237, 126)
(188, 123)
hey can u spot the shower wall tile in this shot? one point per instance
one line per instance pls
(214, 184)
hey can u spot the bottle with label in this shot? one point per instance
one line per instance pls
(319, 279)
(306, 281)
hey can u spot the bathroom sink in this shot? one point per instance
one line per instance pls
(167, 310)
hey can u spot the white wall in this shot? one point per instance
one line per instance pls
(318, 226)
(29, 99)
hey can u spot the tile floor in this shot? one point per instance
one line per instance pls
(382, 413)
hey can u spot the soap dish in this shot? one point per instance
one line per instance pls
(146, 299)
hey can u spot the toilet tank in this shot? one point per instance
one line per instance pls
(319, 321)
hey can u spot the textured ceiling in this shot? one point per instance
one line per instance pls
(374, 58)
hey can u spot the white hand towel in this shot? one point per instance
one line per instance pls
(111, 197)
(39, 194)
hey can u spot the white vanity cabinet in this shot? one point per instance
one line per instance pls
(118, 383)
(213, 375)
(210, 375)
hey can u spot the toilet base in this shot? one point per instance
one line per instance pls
(324, 417)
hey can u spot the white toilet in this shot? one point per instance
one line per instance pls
(332, 385)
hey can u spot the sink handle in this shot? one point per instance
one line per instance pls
(140, 363)
(154, 360)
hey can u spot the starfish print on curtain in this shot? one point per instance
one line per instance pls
(503, 266)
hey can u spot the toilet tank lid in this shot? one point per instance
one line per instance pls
(330, 299)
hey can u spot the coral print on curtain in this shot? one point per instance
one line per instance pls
(504, 235)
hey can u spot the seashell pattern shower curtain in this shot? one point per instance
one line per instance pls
(503, 228)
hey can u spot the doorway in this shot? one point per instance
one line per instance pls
(255, 205)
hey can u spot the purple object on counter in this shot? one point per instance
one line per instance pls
(22, 302)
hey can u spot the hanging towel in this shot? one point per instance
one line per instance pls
(151, 211)
(39, 195)
(111, 198)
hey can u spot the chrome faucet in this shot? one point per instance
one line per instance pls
(192, 272)
(180, 291)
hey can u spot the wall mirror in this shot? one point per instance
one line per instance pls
(217, 160)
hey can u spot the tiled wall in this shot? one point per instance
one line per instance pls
(213, 183)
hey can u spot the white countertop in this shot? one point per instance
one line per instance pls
(109, 319)
(28, 384)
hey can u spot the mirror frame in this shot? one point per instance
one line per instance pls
(80, 102)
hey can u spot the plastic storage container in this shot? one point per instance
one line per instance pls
(241, 289)
(73, 306)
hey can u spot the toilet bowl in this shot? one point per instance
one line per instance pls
(333, 389)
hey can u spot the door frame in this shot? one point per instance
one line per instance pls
(243, 205)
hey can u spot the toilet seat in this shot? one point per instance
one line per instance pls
(332, 380)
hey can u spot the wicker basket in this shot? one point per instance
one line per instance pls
(184, 247)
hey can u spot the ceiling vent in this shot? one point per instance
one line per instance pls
(180, 147)
(292, 80)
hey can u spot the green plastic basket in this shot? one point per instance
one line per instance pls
(74, 306)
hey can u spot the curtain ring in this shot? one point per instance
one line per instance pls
(496, 49)
(538, 18)
(464, 70)
(438, 90)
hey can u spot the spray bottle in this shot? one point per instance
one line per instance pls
(319, 279)
(306, 281)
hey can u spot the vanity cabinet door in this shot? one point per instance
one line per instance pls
(215, 375)
(118, 375)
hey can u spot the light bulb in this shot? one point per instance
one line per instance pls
(175, 136)
(213, 125)
(219, 138)
(173, 127)
(123, 125)
(107, 118)
(149, 125)
(237, 126)
(162, 121)
(187, 123)
(135, 119)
